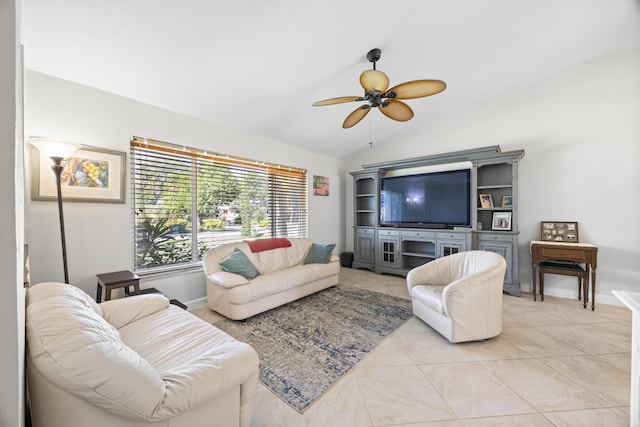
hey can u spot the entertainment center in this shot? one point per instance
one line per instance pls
(409, 212)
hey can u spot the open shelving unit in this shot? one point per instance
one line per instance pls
(365, 218)
(417, 252)
(398, 250)
(366, 201)
(498, 181)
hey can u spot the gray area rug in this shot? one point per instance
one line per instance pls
(307, 345)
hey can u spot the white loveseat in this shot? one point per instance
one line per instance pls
(460, 295)
(132, 362)
(283, 278)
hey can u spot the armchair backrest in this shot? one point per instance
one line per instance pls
(464, 264)
(448, 269)
(265, 261)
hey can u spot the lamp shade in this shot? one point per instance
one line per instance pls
(53, 147)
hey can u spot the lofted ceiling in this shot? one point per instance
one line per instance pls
(257, 66)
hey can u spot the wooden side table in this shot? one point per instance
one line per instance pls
(119, 279)
(577, 252)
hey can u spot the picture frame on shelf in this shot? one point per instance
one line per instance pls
(507, 201)
(486, 201)
(92, 174)
(501, 221)
(559, 231)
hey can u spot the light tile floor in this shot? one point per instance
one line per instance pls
(555, 364)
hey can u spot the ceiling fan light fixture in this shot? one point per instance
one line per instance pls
(374, 80)
(377, 94)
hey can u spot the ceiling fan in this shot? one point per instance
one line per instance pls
(377, 94)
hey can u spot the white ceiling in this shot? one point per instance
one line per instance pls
(258, 65)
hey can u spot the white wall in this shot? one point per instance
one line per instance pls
(99, 235)
(12, 295)
(580, 130)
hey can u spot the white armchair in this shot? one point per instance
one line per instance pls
(460, 295)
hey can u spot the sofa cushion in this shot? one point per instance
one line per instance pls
(261, 287)
(322, 271)
(121, 312)
(431, 296)
(281, 258)
(239, 263)
(298, 275)
(196, 360)
(319, 253)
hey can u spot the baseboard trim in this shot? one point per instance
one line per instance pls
(564, 293)
(196, 303)
(560, 293)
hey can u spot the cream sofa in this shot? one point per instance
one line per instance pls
(131, 362)
(283, 278)
(460, 295)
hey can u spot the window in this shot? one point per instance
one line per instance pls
(186, 201)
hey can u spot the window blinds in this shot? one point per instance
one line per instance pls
(187, 201)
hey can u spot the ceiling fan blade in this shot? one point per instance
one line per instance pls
(355, 116)
(374, 80)
(339, 100)
(396, 110)
(416, 89)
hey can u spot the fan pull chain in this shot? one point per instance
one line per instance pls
(370, 138)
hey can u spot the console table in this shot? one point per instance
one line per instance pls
(577, 252)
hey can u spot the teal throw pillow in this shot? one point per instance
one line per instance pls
(319, 253)
(239, 263)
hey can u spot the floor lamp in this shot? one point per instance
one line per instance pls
(57, 151)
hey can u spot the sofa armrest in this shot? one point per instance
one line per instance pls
(204, 379)
(121, 312)
(227, 280)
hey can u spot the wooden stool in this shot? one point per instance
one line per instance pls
(118, 279)
(566, 268)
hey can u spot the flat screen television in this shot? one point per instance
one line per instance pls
(429, 200)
